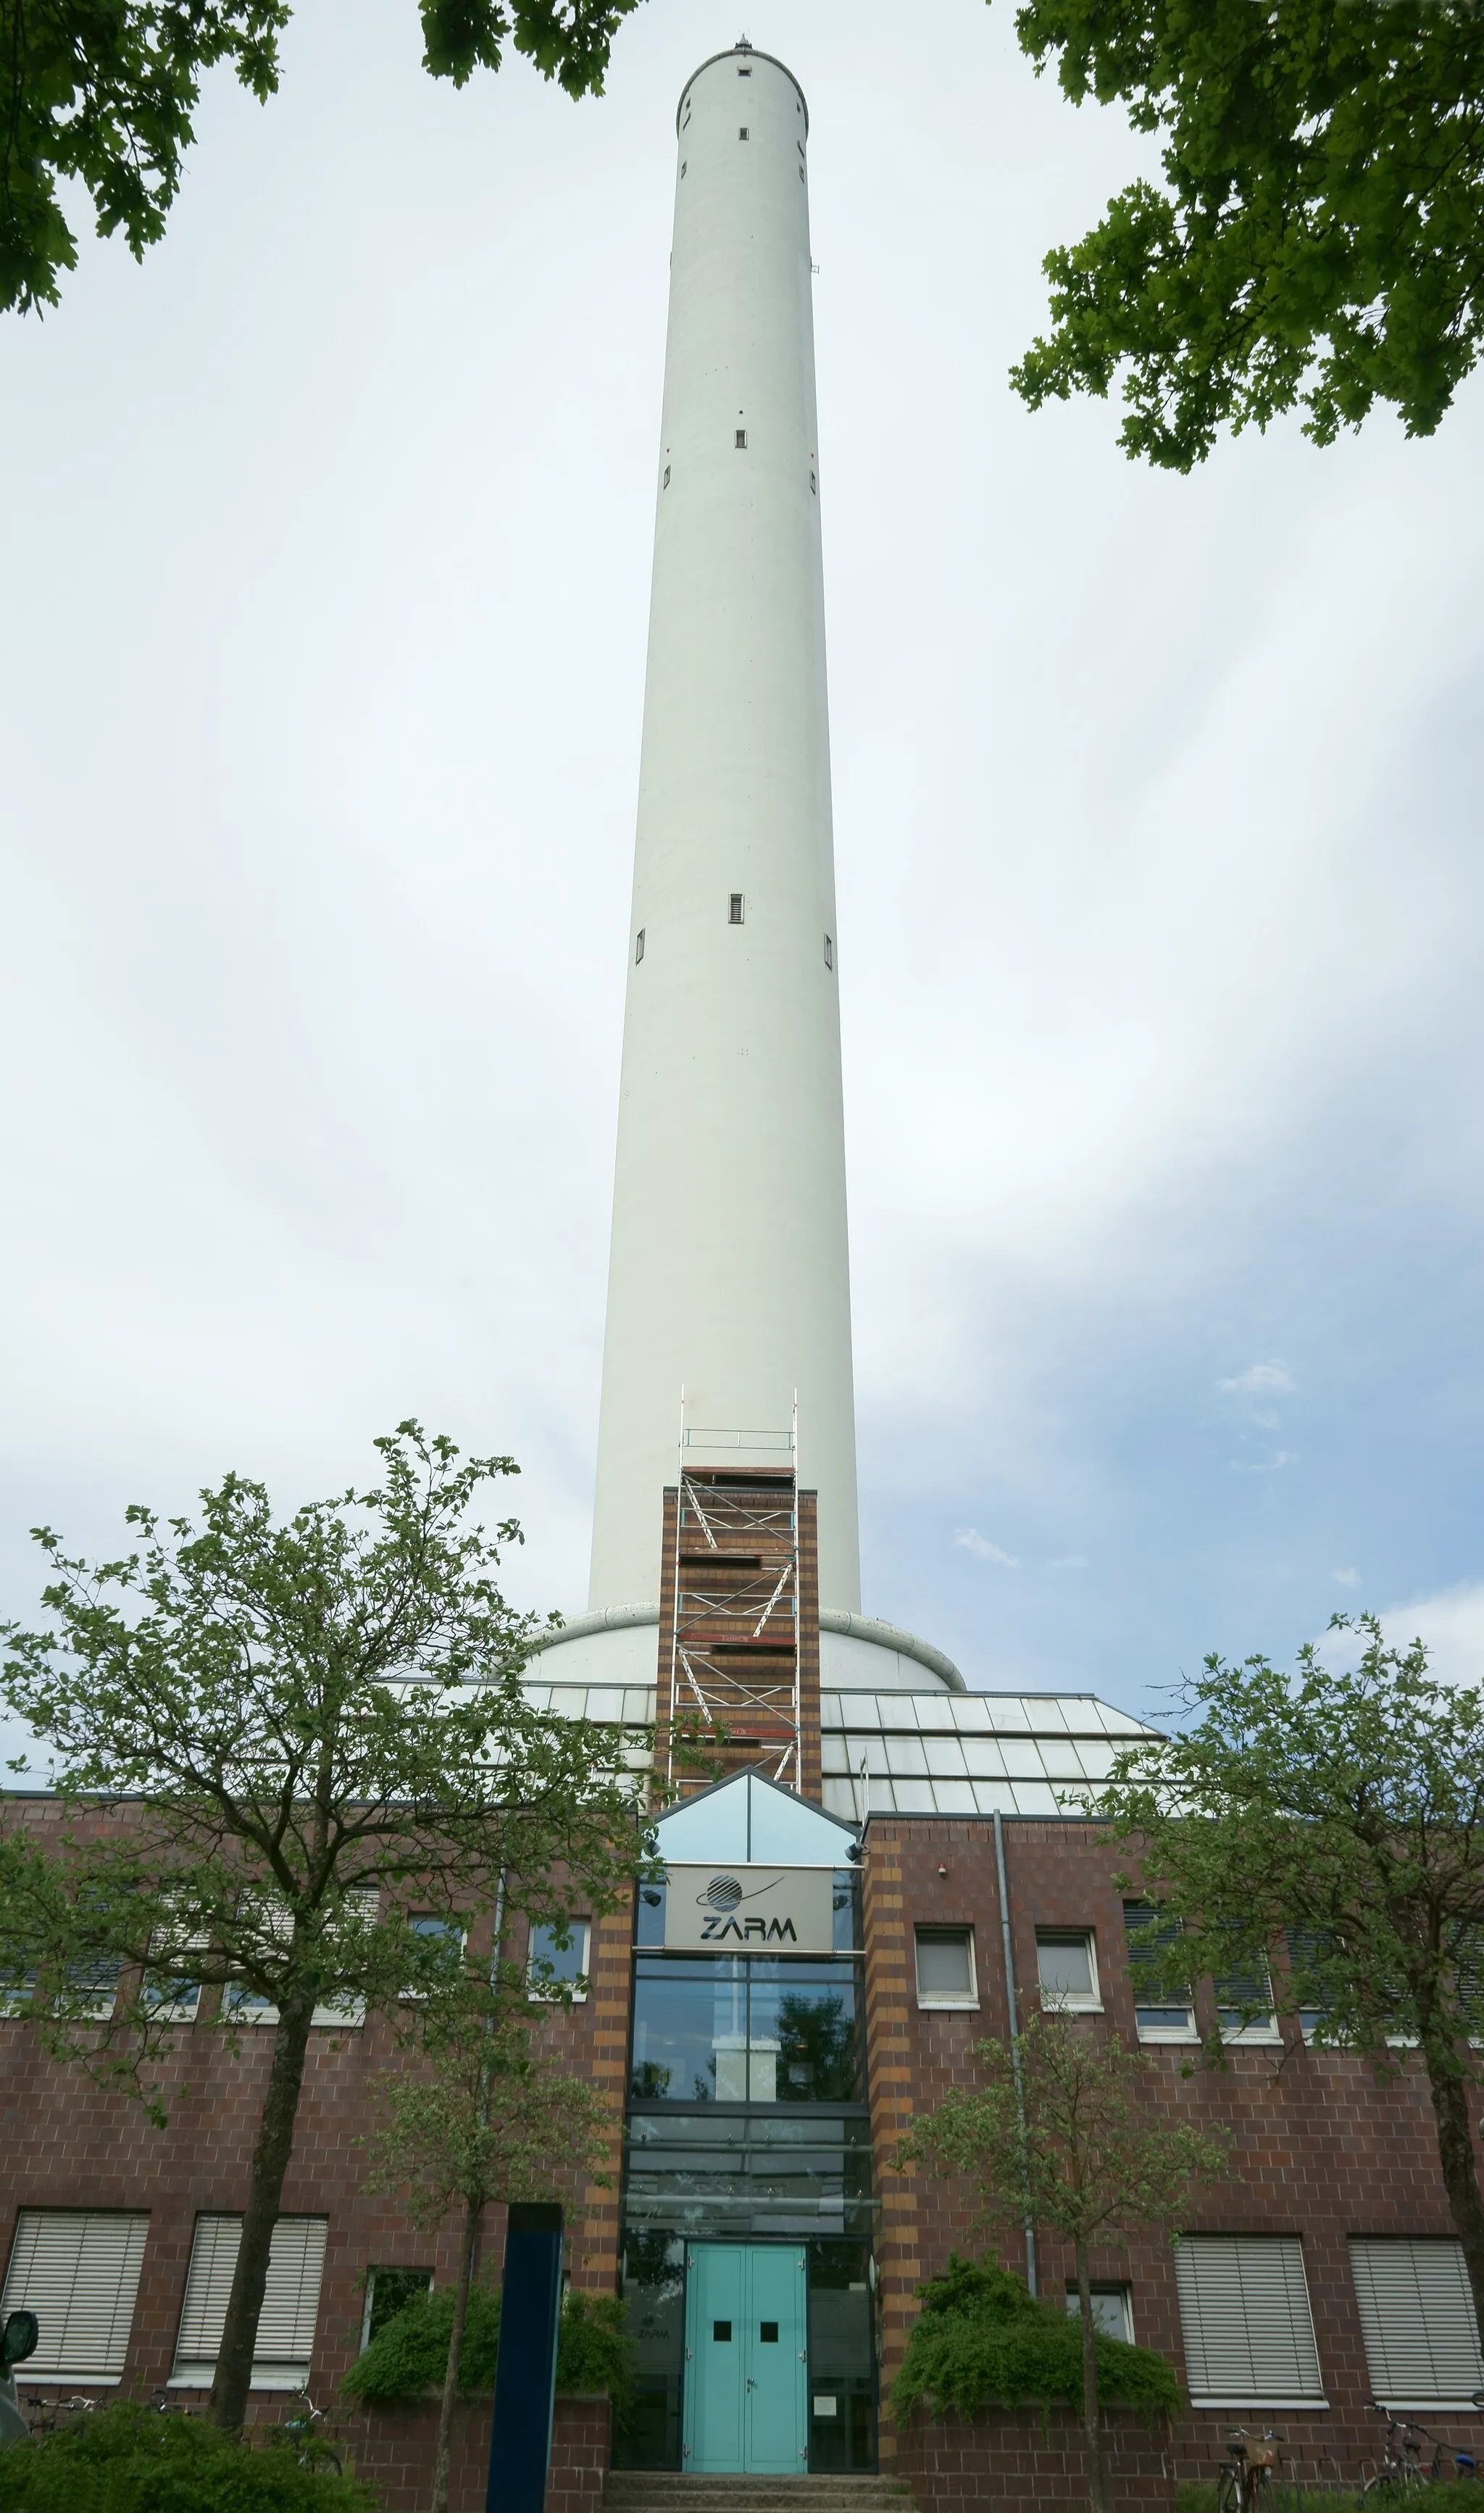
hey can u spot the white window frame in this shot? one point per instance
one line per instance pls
(1264, 2028)
(1266, 2271)
(296, 2261)
(1071, 2002)
(548, 1993)
(1176, 2035)
(49, 2273)
(1116, 2287)
(1432, 2269)
(956, 2002)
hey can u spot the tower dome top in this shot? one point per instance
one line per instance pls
(742, 50)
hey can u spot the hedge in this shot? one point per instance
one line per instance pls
(982, 2341)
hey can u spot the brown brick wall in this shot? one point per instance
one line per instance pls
(1026, 2464)
(393, 2447)
(1319, 2149)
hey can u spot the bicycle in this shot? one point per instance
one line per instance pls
(297, 2435)
(1402, 2468)
(45, 2414)
(1246, 2479)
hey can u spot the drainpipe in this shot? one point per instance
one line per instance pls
(1009, 1963)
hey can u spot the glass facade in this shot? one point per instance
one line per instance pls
(748, 2124)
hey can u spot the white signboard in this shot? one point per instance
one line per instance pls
(751, 1910)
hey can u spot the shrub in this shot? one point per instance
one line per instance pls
(124, 2459)
(982, 2341)
(409, 2354)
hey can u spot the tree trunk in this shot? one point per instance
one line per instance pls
(443, 2445)
(1096, 2496)
(270, 2161)
(1449, 2088)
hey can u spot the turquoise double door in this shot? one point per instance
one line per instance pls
(746, 2349)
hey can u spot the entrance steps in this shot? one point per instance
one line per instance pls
(664, 2491)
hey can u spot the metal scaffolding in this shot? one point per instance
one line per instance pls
(734, 1640)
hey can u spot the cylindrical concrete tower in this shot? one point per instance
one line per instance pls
(729, 1273)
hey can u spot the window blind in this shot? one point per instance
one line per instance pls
(78, 2270)
(1249, 2336)
(1417, 2316)
(291, 2302)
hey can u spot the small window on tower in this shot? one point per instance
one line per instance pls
(665, 483)
(829, 950)
(813, 486)
(744, 73)
(741, 440)
(744, 133)
(801, 174)
(639, 945)
(734, 908)
(683, 170)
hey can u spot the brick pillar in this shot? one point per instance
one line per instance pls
(611, 1964)
(810, 1784)
(888, 2082)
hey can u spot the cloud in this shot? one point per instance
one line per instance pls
(1270, 1465)
(983, 1550)
(1069, 1562)
(1261, 1379)
(1452, 1624)
(1346, 1579)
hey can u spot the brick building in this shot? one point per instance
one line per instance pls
(815, 1972)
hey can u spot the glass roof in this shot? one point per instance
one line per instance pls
(747, 1819)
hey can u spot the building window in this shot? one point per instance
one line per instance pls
(290, 2303)
(741, 440)
(801, 174)
(744, 73)
(745, 2030)
(386, 2292)
(639, 947)
(1417, 2317)
(734, 908)
(1113, 2311)
(172, 2000)
(1067, 1962)
(78, 2270)
(665, 483)
(1158, 2019)
(744, 133)
(813, 486)
(1249, 2335)
(829, 950)
(946, 1968)
(1244, 2007)
(550, 1968)
(683, 170)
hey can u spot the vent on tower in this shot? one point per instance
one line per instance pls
(744, 133)
(741, 440)
(734, 908)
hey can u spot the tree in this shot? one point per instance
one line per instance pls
(491, 2119)
(1071, 2146)
(1323, 1835)
(295, 1763)
(1319, 236)
(102, 92)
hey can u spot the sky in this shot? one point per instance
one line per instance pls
(326, 563)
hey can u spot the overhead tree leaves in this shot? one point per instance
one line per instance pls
(104, 90)
(1319, 239)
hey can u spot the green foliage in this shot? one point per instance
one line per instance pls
(124, 2459)
(103, 91)
(982, 2341)
(1326, 1831)
(317, 1725)
(1067, 2142)
(411, 2354)
(1335, 1818)
(1319, 239)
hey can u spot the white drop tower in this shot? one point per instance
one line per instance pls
(729, 1282)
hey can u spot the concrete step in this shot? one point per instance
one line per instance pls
(666, 2491)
